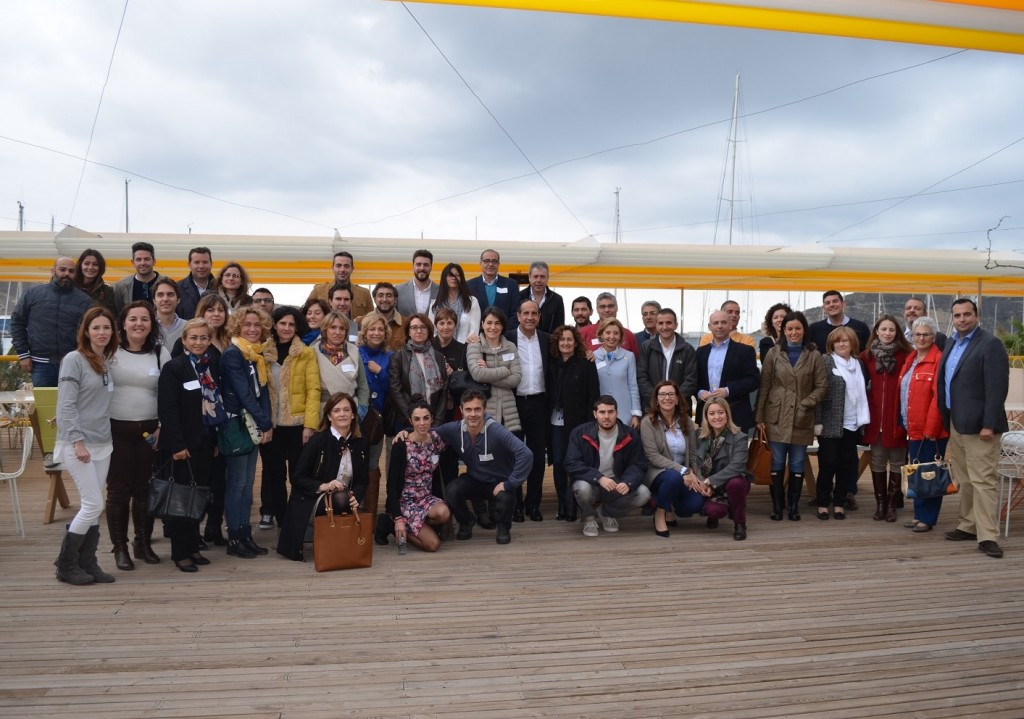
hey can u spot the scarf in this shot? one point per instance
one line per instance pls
(425, 377)
(213, 407)
(711, 449)
(793, 352)
(311, 337)
(885, 356)
(253, 353)
(855, 410)
(335, 353)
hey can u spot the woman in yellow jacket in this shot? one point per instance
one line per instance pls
(295, 404)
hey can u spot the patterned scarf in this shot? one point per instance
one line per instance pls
(335, 353)
(885, 356)
(711, 449)
(213, 407)
(425, 377)
(253, 353)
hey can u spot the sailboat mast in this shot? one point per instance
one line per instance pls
(732, 148)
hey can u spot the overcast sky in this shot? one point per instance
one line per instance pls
(344, 114)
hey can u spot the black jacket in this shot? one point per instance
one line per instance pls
(979, 386)
(180, 409)
(189, 296)
(739, 375)
(44, 324)
(552, 312)
(584, 457)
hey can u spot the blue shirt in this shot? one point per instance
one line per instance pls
(959, 347)
(716, 360)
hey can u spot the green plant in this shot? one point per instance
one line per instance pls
(12, 376)
(1014, 340)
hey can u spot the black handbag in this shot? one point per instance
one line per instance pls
(233, 439)
(176, 501)
(462, 381)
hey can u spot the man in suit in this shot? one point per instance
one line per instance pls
(667, 356)
(419, 293)
(912, 309)
(198, 282)
(835, 316)
(649, 315)
(531, 402)
(552, 306)
(727, 369)
(493, 290)
(343, 266)
(974, 377)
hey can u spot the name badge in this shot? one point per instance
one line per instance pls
(434, 459)
(595, 342)
(347, 366)
(353, 338)
(508, 356)
(191, 386)
(486, 457)
(154, 372)
(501, 290)
(601, 363)
(836, 372)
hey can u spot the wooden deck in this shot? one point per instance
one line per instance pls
(808, 619)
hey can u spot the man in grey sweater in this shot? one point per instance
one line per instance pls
(497, 462)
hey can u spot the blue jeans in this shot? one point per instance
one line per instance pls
(45, 375)
(241, 473)
(670, 492)
(926, 511)
(797, 455)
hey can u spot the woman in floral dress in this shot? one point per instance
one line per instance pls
(412, 475)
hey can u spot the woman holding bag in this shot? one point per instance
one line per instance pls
(336, 459)
(190, 410)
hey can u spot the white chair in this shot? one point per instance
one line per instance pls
(12, 481)
(1011, 473)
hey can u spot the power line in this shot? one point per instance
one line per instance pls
(96, 117)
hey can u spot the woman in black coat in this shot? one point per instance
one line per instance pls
(336, 459)
(190, 408)
(573, 387)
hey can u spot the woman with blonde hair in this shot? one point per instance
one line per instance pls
(722, 462)
(337, 358)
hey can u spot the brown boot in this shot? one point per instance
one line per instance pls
(881, 495)
(894, 489)
(143, 522)
(117, 527)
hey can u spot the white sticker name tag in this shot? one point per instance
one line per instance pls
(154, 372)
(501, 290)
(486, 457)
(595, 342)
(508, 356)
(600, 364)
(191, 386)
(347, 366)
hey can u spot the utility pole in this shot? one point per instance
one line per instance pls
(21, 217)
(126, 230)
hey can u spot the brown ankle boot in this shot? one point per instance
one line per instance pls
(894, 489)
(881, 495)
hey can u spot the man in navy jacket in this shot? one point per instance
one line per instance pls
(494, 290)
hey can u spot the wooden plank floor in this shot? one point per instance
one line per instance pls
(807, 619)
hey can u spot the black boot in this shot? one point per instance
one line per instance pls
(117, 526)
(483, 514)
(67, 562)
(143, 522)
(895, 482)
(87, 556)
(796, 483)
(385, 527)
(778, 496)
(214, 534)
(253, 547)
(881, 495)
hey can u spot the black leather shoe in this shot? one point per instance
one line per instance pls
(712, 523)
(958, 535)
(213, 534)
(518, 516)
(536, 516)
(739, 532)
(851, 504)
(659, 532)
(200, 560)
(990, 548)
(122, 560)
(186, 565)
(649, 509)
(465, 530)
(504, 535)
(672, 523)
(203, 546)
(484, 521)
(251, 544)
(238, 548)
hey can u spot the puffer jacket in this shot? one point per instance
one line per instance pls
(295, 396)
(789, 394)
(44, 324)
(503, 373)
(923, 416)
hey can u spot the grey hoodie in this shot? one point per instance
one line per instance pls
(510, 460)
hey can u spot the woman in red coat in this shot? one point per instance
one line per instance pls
(886, 352)
(920, 411)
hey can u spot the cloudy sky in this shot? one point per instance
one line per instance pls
(345, 115)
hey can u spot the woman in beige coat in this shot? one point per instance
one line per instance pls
(495, 361)
(793, 381)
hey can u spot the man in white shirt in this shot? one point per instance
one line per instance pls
(531, 403)
(552, 307)
(419, 293)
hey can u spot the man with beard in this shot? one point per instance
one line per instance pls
(419, 293)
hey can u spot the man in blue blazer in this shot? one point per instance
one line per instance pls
(493, 290)
(727, 369)
(974, 377)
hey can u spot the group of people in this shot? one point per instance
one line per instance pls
(475, 372)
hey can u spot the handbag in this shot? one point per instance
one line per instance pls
(372, 426)
(233, 438)
(759, 459)
(176, 501)
(462, 381)
(927, 480)
(341, 541)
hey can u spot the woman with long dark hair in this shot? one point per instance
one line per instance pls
(336, 459)
(772, 327)
(314, 311)
(89, 273)
(233, 285)
(84, 444)
(456, 296)
(134, 425)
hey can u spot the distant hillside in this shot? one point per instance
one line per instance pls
(996, 312)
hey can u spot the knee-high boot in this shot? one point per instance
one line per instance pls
(881, 495)
(143, 522)
(67, 563)
(796, 483)
(778, 493)
(895, 485)
(117, 526)
(87, 556)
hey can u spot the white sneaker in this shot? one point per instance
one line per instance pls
(590, 528)
(266, 521)
(610, 524)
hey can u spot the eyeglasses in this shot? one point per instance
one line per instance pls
(666, 395)
(923, 335)
(417, 328)
(491, 262)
